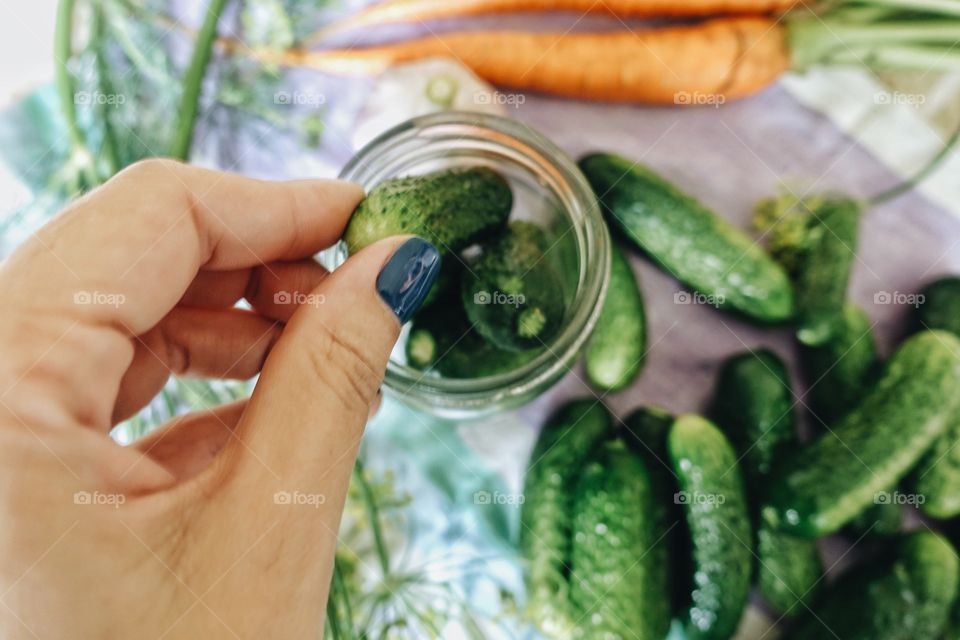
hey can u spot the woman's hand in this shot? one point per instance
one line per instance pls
(222, 524)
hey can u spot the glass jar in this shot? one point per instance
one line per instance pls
(548, 189)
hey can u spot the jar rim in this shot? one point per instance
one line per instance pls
(593, 249)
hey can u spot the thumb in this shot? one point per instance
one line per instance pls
(303, 423)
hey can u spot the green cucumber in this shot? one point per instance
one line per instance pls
(615, 351)
(831, 480)
(619, 556)
(937, 476)
(645, 431)
(564, 444)
(753, 404)
(712, 494)
(936, 480)
(689, 241)
(939, 305)
(452, 208)
(841, 370)
(821, 282)
(907, 597)
(789, 571)
(441, 339)
(512, 293)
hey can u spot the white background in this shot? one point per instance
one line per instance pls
(26, 45)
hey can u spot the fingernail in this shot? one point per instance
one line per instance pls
(405, 280)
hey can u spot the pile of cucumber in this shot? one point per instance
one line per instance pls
(631, 528)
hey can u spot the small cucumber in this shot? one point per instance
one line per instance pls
(789, 570)
(753, 404)
(689, 241)
(512, 294)
(615, 351)
(562, 449)
(907, 597)
(712, 494)
(840, 371)
(824, 272)
(940, 306)
(645, 432)
(937, 476)
(831, 480)
(442, 339)
(619, 557)
(452, 208)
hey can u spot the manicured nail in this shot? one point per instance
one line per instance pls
(405, 280)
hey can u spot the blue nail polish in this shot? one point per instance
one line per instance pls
(405, 280)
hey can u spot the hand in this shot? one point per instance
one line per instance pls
(188, 533)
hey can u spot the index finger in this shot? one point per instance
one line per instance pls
(136, 243)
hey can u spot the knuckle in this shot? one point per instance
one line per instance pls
(151, 171)
(345, 368)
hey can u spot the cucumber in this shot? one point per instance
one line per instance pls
(441, 339)
(841, 370)
(824, 272)
(937, 476)
(692, 243)
(619, 558)
(562, 449)
(905, 598)
(712, 494)
(940, 306)
(452, 208)
(753, 404)
(840, 373)
(831, 480)
(645, 431)
(615, 351)
(789, 570)
(512, 294)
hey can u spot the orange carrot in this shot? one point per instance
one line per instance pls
(418, 10)
(729, 57)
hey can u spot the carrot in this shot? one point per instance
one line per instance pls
(729, 57)
(418, 10)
